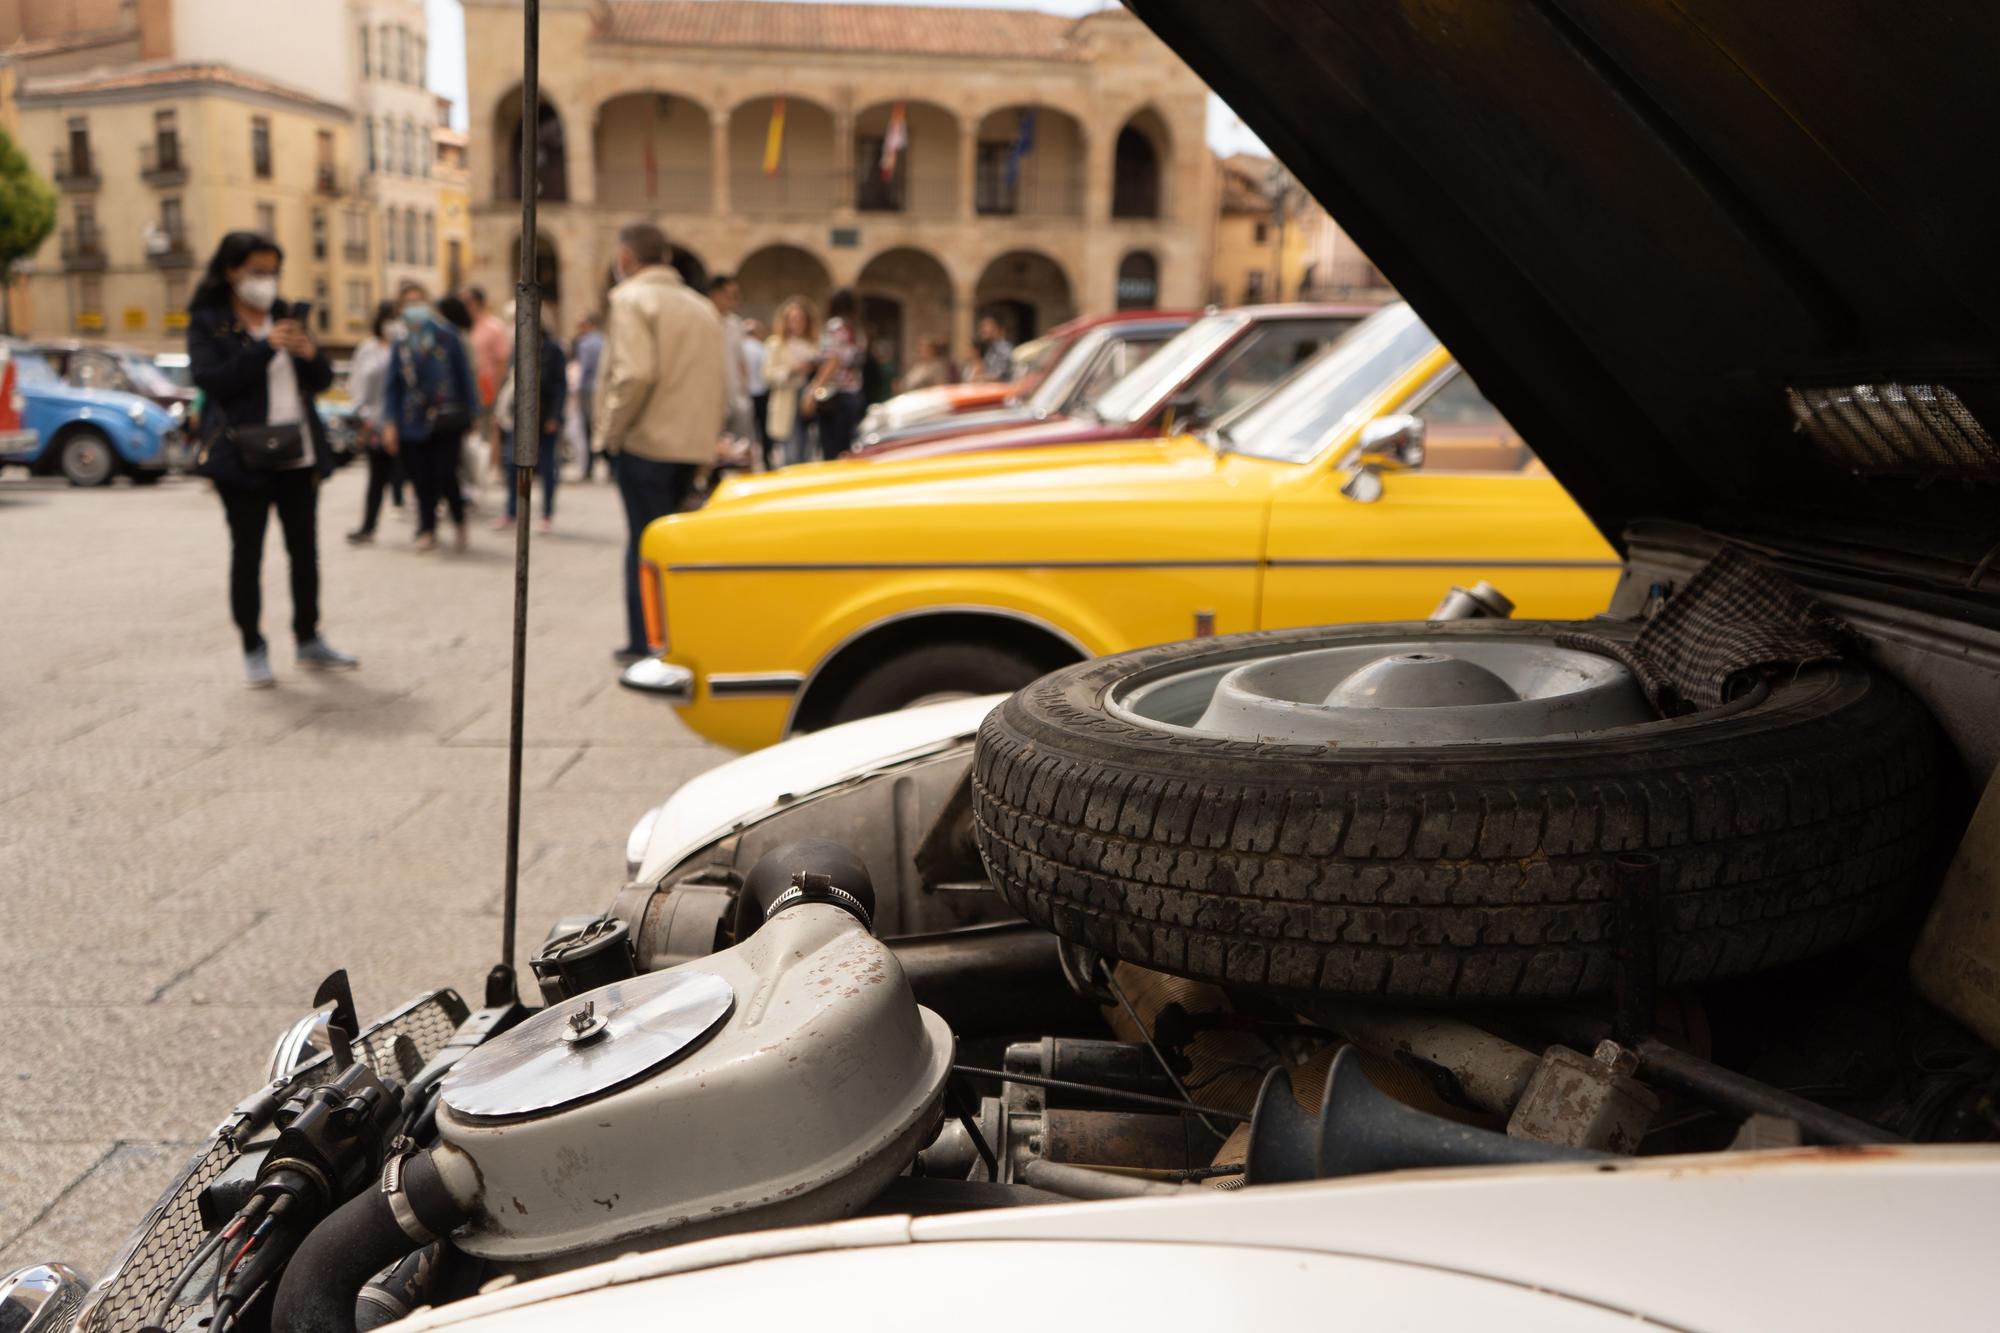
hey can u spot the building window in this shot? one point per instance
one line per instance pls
(1253, 285)
(454, 263)
(402, 55)
(1261, 233)
(388, 144)
(173, 222)
(326, 178)
(370, 131)
(354, 238)
(88, 243)
(90, 302)
(422, 69)
(389, 234)
(79, 148)
(873, 194)
(411, 254)
(260, 147)
(366, 70)
(319, 233)
(267, 220)
(357, 303)
(428, 147)
(994, 186)
(409, 149)
(430, 239)
(322, 303)
(166, 141)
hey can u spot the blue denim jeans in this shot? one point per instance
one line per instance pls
(650, 490)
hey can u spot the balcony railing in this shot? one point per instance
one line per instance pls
(76, 171)
(83, 249)
(1029, 197)
(810, 192)
(162, 164)
(326, 180)
(930, 196)
(356, 252)
(167, 247)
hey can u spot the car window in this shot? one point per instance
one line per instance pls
(1054, 392)
(1265, 355)
(33, 368)
(145, 377)
(1137, 396)
(94, 370)
(1464, 432)
(1305, 414)
(1119, 360)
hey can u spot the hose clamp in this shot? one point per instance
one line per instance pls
(811, 888)
(399, 1200)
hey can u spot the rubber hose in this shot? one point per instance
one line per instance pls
(360, 1239)
(771, 879)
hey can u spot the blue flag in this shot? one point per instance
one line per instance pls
(1024, 144)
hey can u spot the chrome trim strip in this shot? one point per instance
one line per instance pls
(960, 609)
(755, 684)
(1466, 562)
(849, 568)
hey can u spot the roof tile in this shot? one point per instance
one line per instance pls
(927, 30)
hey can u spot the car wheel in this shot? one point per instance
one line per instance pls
(932, 674)
(87, 459)
(1279, 810)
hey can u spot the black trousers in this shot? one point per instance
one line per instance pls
(837, 418)
(760, 407)
(433, 466)
(385, 473)
(294, 493)
(650, 489)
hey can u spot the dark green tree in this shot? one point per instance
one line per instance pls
(27, 216)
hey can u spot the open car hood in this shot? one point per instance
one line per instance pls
(1660, 235)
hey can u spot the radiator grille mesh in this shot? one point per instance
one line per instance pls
(129, 1295)
(1922, 430)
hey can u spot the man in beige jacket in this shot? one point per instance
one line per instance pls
(660, 397)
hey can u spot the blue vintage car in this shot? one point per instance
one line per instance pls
(89, 435)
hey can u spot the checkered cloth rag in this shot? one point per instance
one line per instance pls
(1736, 619)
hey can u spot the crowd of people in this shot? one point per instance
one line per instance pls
(670, 388)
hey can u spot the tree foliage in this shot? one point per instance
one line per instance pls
(27, 205)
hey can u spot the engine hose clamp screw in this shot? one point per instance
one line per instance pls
(586, 1025)
(810, 888)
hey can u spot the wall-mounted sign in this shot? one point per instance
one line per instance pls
(135, 317)
(845, 238)
(91, 321)
(175, 320)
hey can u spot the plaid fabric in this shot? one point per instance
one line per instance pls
(1735, 619)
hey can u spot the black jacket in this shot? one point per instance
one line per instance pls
(231, 368)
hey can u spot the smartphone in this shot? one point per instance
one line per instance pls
(302, 312)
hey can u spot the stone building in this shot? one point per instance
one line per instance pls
(454, 203)
(1273, 242)
(942, 162)
(397, 119)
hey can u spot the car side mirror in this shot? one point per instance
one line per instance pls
(1388, 444)
(1392, 444)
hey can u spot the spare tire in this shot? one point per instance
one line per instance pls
(1116, 809)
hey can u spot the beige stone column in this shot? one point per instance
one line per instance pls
(963, 298)
(840, 194)
(968, 173)
(718, 163)
(1100, 151)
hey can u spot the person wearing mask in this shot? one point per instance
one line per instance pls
(789, 361)
(428, 407)
(548, 467)
(760, 391)
(589, 352)
(368, 382)
(996, 353)
(660, 398)
(834, 398)
(492, 349)
(262, 443)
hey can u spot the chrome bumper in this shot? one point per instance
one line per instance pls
(18, 445)
(654, 676)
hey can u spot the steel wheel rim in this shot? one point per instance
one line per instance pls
(86, 461)
(1398, 689)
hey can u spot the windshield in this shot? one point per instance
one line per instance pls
(33, 368)
(176, 370)
(144, 376)
(1298, 418)
(1054, 390)
(1138, 395)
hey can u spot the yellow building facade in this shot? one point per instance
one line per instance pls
(152, 165)
(944, 163)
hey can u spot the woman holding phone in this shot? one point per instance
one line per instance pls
(262, 443)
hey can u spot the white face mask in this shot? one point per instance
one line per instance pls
(259, 291)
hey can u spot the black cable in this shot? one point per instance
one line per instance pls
(1109, 1094)
(955, 1096)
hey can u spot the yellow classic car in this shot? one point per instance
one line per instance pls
(1361, 488)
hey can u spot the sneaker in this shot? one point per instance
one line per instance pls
(501, 524)
(545, 526)
(361, 536)
(257, 669)
(426, 543)
(319, 655)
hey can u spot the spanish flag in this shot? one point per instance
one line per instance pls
(774, 141)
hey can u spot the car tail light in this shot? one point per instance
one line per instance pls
(653, 601)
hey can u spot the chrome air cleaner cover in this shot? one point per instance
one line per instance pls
(666, 1108)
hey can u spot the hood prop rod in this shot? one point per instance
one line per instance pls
(501, 987)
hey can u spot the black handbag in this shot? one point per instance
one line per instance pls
(448, 419)
(269, 448)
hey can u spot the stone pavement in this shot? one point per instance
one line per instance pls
(183, 859)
